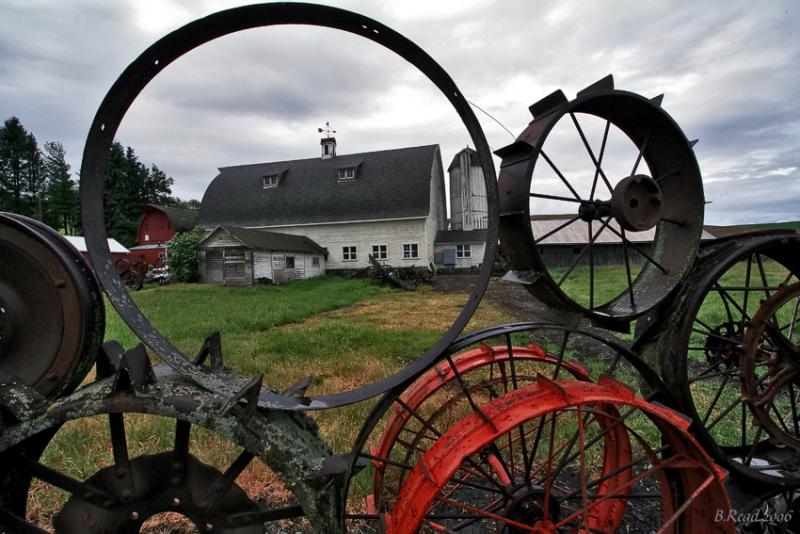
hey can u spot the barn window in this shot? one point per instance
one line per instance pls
(349, 253)
(290, 262)
(315, 261)
(410, 251)
(463, 251)
(146, 237)
(269, 181)
(347, 174)
(380, 252)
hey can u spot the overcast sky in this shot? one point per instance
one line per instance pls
(730, 72)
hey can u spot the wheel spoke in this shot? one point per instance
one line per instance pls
(641, 153)
(600, 159)
(628, 275)
(639, 250)
(591, 153)
(180, 453)
(224, 481)
(560, 175)
(556, 229)
(554, 197)
(583, 252)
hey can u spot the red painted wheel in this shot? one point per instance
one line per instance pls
(471, 479)
(435, 401)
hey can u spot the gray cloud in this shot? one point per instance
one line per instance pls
(730, 72)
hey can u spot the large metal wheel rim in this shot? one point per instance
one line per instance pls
(678, 241)
(188, 406)
(698, 476)
(674, 359)
(72, 307)
(162, 53)
(441, 377)
(784, 349)
(651, 380)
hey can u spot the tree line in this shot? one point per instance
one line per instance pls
(38, 182)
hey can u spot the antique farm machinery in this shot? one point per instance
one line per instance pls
(664, 403)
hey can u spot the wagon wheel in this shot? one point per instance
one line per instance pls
(638, 183)
(477, 369)
(700, 344)
(435, 402)
(148, 466)
(51, 308)
(770, 366)
(556, 487)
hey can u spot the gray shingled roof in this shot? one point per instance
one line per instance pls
(183, 219)
(460, 236)
(388, 184)
(264, 240)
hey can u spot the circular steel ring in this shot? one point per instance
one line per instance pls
(675, 190)
(176, 44)
(52, 317)
(672, 340)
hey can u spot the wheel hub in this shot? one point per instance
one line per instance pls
(527, 506)
(156, 485)
(725, 351)
(637, 203)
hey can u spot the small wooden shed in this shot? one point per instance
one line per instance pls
(234, 256)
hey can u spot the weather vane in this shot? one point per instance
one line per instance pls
(328, 131)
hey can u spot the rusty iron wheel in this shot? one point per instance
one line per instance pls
(770, 366)
(699, 341)
(435, 402)
(479, 368)
(181, 41)
(52, 318)
(576, 477)
(657, 188)
(138, 477)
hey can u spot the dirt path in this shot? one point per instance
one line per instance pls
(511, 298)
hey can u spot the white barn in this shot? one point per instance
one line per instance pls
(389, 203)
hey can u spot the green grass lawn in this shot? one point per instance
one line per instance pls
(346, 333)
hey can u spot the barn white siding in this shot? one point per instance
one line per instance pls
(262, 264)
(475, 259)
(437, 216)
(363, 235)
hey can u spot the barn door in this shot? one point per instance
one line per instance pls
(214, 266)
(235, 268)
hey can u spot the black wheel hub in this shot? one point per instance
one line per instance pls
(724, 345)
(155, 485)
(527, 506)
(637, 203)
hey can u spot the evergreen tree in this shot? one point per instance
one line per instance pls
(61, 198)
(157, 187)
(14, 151)
(34, 178)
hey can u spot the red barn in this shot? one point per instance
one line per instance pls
(156, 228)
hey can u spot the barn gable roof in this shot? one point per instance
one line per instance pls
(183, 219)
(264, 240)
(388, 184)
